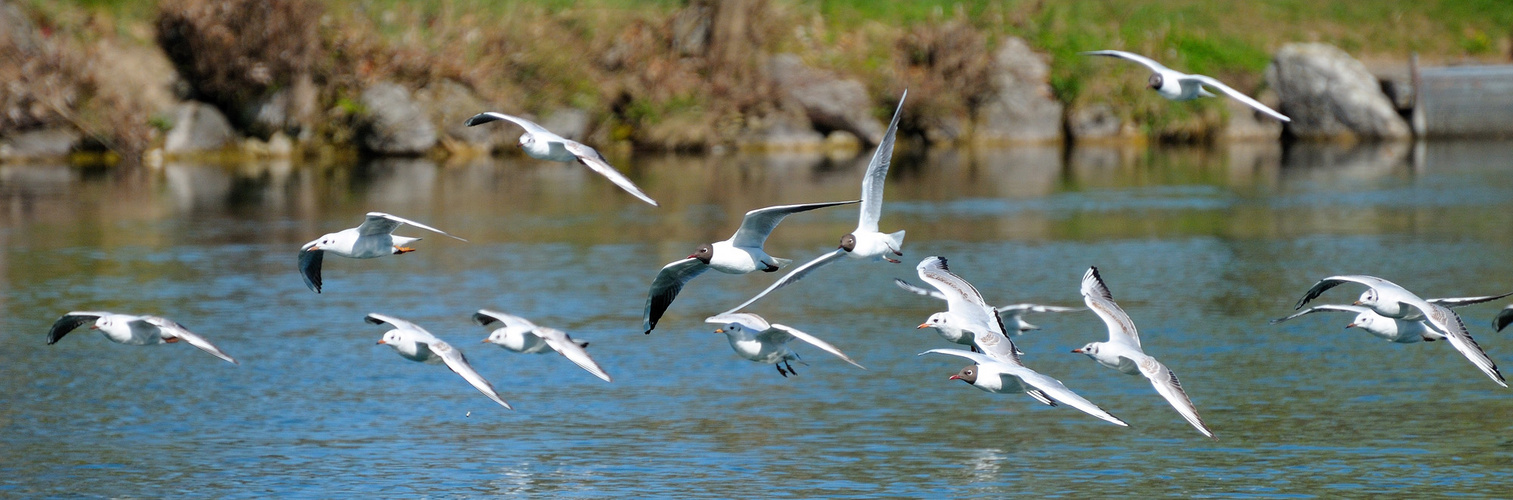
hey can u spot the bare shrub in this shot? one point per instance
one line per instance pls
(235, 52)
(947, 66)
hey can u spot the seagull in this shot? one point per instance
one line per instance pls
(1400, 331)
(374, 238)
(1179, 86)
(865, 242)
(999, 356)
(1392, 301)
(740, 254)
(133, 330)
(1012, 316)
(755, 339)
(1122, 352)
(520, 335)
(998, 377)
(542, 144)
(416, 344)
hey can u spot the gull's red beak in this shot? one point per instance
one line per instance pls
(1356, 303)
(1352, 325)
(381, 342)
(1077, 350)
(955, 377)
(921, 325)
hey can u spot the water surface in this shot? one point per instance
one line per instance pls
(1200, 246)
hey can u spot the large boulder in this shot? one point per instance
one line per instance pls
(40, 143)
(197, 127)
(1097, 122)
(449, 104)
(1330, 95)
(393, 124)
(1022, 107)
(831, 103)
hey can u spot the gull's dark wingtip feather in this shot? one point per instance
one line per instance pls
(479, 119)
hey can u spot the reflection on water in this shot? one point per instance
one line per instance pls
(1201, 246)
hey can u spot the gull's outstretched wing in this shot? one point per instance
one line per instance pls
(1239, 96)
(1453, 302)
(877, 173)
(1333, 281)
(665, 288)
(309, 267)
(69, 322)
(381, 223)
(759, 223)
(815, 341)
(1499, 322)
(750, 321)
(1448, 323)
(918, 290)
(529, 126)
(591, 158)
(1149, 63)
(572, 349)
(1039, 308)
(1325, 307)
(1121, 329)
(796, 274)
(169, 329)
(1165, 382)
(1049, 388)
(459, 364)
(485, 317)
(964, 301)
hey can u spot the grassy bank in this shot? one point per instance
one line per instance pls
(613, 57)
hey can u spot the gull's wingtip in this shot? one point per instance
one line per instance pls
(480, 118)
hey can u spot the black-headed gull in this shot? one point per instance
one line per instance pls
(1012, 316)
(999, 368)
(1392, 301)
(1179, 86)
(416, 344)
(374, 238)
(741, 254)
(521, 335)
(1401, 331)
(755, 339)
(542, 144)
(866, 241)
(995, 376)
(1123, 352)
(132, 330)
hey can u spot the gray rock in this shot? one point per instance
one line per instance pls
(43, 143)
(197, 127)
(1096, 121)
(1023, 108)
(394, 124)
(449, 104)
(780, 132)
(1329, 94)
(830, 102)
(290, 111)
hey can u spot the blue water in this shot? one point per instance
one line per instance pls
(1201, 249)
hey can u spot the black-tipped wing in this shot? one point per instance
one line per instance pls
(69, 322)
(665, 288)
(459, 365)
(918, 290)
(758, 224)
(1325, 307)
(529, 126)
(1325, 284)
(591, 158)
(1502, 319)
(1095, 293)
(1149, 63)
(485, 317)
(573, 350)
(1448, 323)
(169, 329)
(309, 267)
(1453, 302)
(796, 274)
(1238, 96)
(877, 173)
(379, 223)
(812, 340)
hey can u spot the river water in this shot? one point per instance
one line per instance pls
(1200, 246)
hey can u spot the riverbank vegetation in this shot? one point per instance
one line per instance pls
(666, 75)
